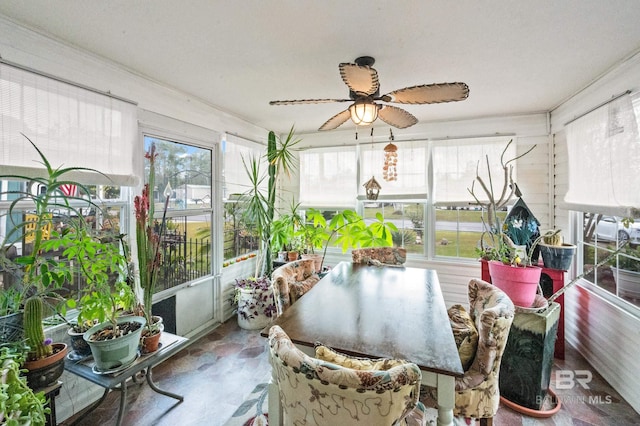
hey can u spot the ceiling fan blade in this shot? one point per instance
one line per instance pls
(429, 93)
(336, 120)
(396, 117)
(360, 78)
(309, 101)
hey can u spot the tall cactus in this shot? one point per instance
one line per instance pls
(33, 329)
(271, 201)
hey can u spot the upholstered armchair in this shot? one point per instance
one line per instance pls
(292, 280)
(317, 392)
(380, 255)
(491, 314)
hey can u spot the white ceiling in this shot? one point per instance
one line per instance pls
(517, 57)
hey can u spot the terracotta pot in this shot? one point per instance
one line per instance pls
(46, 371)
(519, 283)
(151, 343)
(292, 255)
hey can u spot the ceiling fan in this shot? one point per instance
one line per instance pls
(364, 90)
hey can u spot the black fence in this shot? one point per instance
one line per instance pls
(183, 259)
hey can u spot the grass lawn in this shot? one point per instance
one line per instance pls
(467, 244)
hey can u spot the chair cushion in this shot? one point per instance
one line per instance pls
(326, 354)
(465, 334)
(293, 280)
(377, 380)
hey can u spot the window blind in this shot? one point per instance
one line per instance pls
(457, 161)
(411, 166)
(328, 177)
(604, 159)
(72, 126)
(236, 179)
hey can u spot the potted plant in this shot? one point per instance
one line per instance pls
(106, 294)
(255, 303)
(19, 404)
(313, 232)
(115, 339)
(284, 230)
(260, 211)
(556, 254)
(510, 268)
(148, 240)
(41, 266)
(626, 272)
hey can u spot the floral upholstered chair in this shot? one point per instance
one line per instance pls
(317, 392)
(292, 280)
(380, 255)
(491, 313)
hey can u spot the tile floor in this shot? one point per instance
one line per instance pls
(216, 372)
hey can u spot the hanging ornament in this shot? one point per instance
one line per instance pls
(390, 169)
(373, 188)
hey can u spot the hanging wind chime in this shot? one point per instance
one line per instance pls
(390, 168)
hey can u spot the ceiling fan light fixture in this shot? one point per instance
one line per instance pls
(364, 112)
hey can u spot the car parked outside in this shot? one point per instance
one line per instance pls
(612, 228)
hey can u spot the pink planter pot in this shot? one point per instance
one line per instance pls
(519, 283)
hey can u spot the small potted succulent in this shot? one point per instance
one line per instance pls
(556, 254)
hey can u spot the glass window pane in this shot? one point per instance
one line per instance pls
(459, 231)
(620, 275)
(406, 216)
(185, 250)
(187, 169)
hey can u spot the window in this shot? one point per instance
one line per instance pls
(328, 177)
(620, 274)
(604, 151)
(107, 218)
(459, 224)
(411, 166)
(430, 193)
(239, 238)
(408, 217)
(183, 183)
(73, 126)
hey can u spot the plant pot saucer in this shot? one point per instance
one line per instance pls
(76, 356)
(145, 353)
(115, 370)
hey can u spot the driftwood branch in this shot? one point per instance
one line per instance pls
(506, 193)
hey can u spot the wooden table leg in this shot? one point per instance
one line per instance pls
(446, 399)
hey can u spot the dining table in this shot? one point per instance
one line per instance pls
(377, 311)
